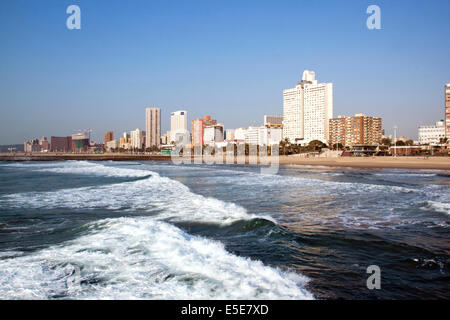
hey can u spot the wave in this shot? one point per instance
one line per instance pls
(321, 186)
(437, 206)
(168, 199)
(140, 258)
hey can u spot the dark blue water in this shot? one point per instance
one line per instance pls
(74, 230)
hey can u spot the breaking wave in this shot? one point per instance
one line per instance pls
(140, 258)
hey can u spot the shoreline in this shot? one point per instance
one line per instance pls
(420, 163)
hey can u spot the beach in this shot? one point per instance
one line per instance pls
(430, 163)
(437, 163)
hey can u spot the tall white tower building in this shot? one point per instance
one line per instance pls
(178, 124)
(307, 109)
(137, 137)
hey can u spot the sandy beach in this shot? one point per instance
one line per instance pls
(437, 163)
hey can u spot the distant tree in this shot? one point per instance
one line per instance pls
(400, 143)
(316, 145)
(409, 142)
(340, 146)
(386, 141)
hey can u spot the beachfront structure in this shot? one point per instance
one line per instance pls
(112, 145)
(252, 135)
(152, 127)
(263, 136)
(239, 134)
(447, 113)
(307, 109)
(268, 136)
(356, 130)
(229, 134)
(178, 124)
(432, 134)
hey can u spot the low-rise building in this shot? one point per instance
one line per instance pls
(239, 134)
(405, 150)
(432, 134)
(112, 145)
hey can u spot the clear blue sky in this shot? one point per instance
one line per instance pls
(227, 59)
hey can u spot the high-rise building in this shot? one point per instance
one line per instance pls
(337, 130)
(178, 124)
(213, 134)
(447, 113)
(432, 134)
(307, 109)
(207, 121)
(275, 121)
(109, 136)
(358, 129)
(60, 144)
(198, 129)
(152, 127)
(137, 139)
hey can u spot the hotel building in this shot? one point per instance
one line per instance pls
(307, 109)
(152, 127)
(178, 124)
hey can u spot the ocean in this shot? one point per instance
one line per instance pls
(155, 230)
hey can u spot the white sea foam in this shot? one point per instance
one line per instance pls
(169, 199)
(438, 206)
(320, 185)
(133, 258)
(93, 169)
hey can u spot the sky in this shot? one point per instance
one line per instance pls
(227, 59)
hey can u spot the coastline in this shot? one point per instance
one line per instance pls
(431, 163)
(420, 163)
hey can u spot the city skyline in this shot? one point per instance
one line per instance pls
(51, 74)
